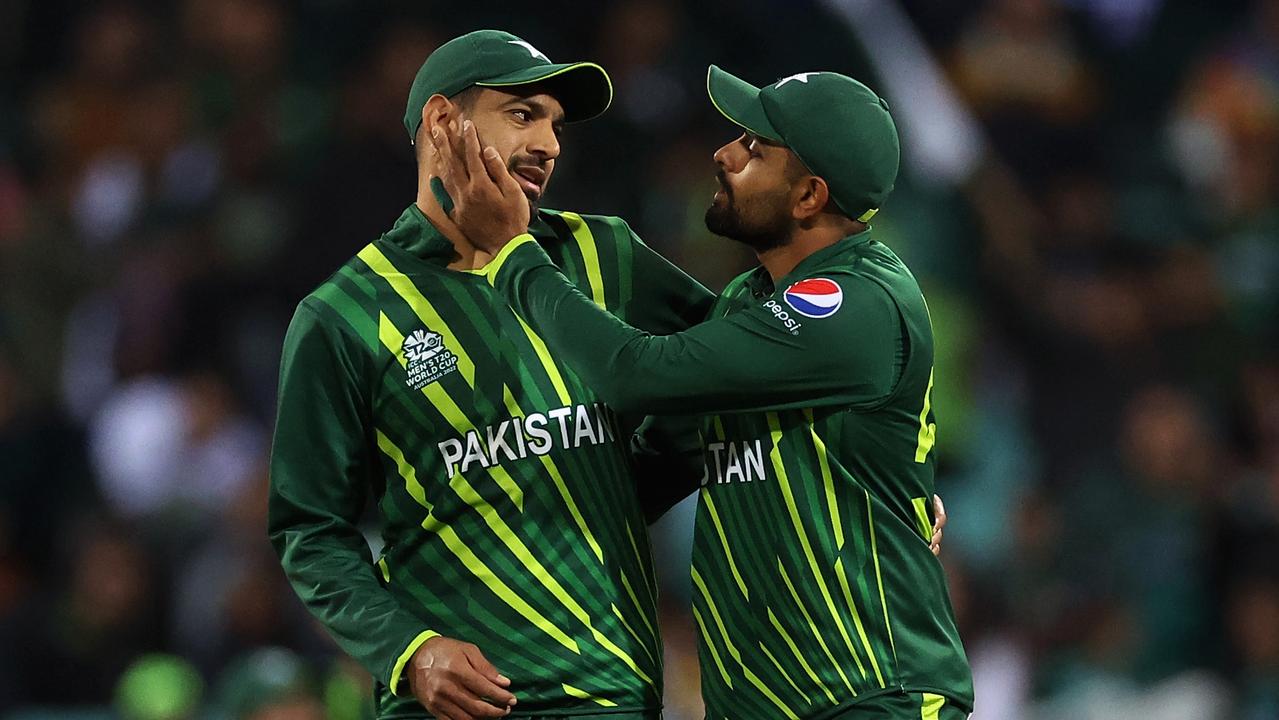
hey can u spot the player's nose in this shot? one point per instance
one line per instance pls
(545, 143)
(725, 157)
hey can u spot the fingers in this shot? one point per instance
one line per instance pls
(463, 693)
(444, 161)
(454, 681)
(473, 707)
(471, 151)
(496, 170)
(489, 685)
(485, 668)
(456, 145)
(444, 709)
(450, 153)
(939, 522)
(488, 204)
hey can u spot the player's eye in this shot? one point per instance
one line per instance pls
(522, 115)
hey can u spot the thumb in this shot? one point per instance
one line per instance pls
(485, 668)
(498, 172)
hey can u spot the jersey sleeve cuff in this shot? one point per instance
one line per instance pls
(398, 671)
(510, 255)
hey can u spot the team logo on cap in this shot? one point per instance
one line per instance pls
(802, 77)
(815, 297)
(532, 51)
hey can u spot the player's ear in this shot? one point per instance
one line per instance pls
(811, 195)
(438, 110)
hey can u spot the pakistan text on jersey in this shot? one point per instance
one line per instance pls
(537, 434)
(733, 461)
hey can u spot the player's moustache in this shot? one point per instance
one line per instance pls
(519, 161)
(723, 184)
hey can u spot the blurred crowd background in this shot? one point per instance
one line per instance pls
(1090, 198)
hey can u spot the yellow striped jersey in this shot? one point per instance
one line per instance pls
(503, 485)
(813, 585)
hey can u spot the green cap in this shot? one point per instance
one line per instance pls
(837, 126)
(492, 58)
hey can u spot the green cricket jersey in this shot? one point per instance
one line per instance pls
(814, 587)
(503, 484)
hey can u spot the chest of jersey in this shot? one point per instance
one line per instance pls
(477, 386)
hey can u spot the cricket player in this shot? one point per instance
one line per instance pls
(815, 595)
(514, 576)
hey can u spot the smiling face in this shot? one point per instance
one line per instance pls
(757, 193)
(523, 125)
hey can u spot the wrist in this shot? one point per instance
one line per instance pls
(407, 663)
(502, 255)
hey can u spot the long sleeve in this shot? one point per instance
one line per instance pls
(665, 299)
(747, 361)
(666, 448)
(319, 482)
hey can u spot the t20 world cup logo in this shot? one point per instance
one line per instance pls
(426, 358)
(422, 345)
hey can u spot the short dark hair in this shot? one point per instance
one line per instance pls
(465, 100)
(796, 169)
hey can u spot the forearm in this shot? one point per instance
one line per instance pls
(328, 565)
(741, 363)
(605, 352)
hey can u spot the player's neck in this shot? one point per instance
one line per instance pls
(465, 252)
(783, 259)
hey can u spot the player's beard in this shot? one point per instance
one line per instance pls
(760, 223)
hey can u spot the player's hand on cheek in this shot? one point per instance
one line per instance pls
(939, 512)
(488, 205)
(454, 681)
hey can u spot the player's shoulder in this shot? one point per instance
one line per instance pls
(837, 293)
(344, 280)
(344, 301)
(874, 260)
(601, 228)
(868, 266)
(868, 279)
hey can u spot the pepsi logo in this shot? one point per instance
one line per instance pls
(815, 297)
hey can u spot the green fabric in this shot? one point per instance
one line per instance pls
(813, 580)
(707, 368)
(493, 58)
(407, 385)
(566, 715)
(900, 706)
(837, 126)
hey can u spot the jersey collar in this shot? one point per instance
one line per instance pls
(414, 233)
(825, 256)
